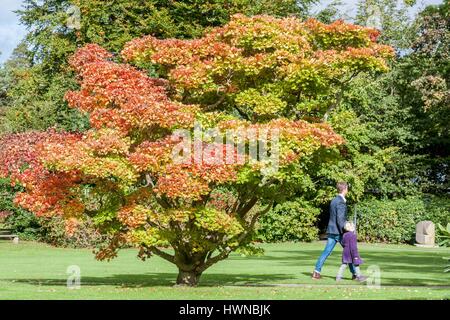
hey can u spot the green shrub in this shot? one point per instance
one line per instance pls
(85, 235)
(24, 224)
(394, 221)
(444, 235)
(437, 209)
(21, 221)
(290, 221)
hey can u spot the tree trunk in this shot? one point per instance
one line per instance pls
(188, 278)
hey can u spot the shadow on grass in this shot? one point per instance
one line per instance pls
(214, 280)
(427, 266)
(309, 274)
(397, 269)
(160, 279)
(394, 261)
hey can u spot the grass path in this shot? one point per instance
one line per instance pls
(32, 270)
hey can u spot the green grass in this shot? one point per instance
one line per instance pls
(37, 271)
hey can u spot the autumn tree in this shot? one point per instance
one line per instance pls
(250, 77)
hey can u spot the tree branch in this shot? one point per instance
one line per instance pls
(241, 113)
(221, 256)
(149, 182)
(162, 254)
(215, 104)
(338, 96)
(247, 207)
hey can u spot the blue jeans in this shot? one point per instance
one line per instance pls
(332, 240)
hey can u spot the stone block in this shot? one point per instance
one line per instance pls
(425, 233)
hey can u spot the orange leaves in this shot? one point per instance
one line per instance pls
(98, 154)
(171, 52)
(132, 216)
(121, 97)
(46, 193)
(295, 138)
(90, 53)
(153, 156)
(71, 225)
(190, 61)
(18, 151)
(340, 34)
(294, 131)
(299, 130)
(176, 183)
(191, 181)
(192, 176)
(310, 56)
(49, 194)
(262, 33)
(106, 141)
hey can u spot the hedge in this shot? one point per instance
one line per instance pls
(290, 221)
(394, 221)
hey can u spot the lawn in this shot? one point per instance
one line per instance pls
(38, 271)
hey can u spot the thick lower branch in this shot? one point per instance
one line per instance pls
(162, 254)
(247, 207)
(209, 262)
(216, 104)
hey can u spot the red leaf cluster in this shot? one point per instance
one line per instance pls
(122, 97)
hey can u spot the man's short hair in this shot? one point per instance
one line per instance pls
(341, 186)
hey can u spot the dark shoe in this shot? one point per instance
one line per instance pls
(360, 278)
(354, 277)
(316, 275)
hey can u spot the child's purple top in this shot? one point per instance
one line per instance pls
(350, 253)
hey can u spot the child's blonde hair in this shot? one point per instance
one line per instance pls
(349, 226)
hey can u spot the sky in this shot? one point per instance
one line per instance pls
(11, 32)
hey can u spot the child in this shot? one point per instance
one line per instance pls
(350, 255)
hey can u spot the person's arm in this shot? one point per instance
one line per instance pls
(341, 212)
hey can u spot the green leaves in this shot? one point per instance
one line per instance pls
(444, 235)
(290, 221)
(217, 221)
(262, 104)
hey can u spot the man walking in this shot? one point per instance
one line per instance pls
(335, 230)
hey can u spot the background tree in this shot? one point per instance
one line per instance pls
(422, 83)
(392, 17)
(122, 171)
